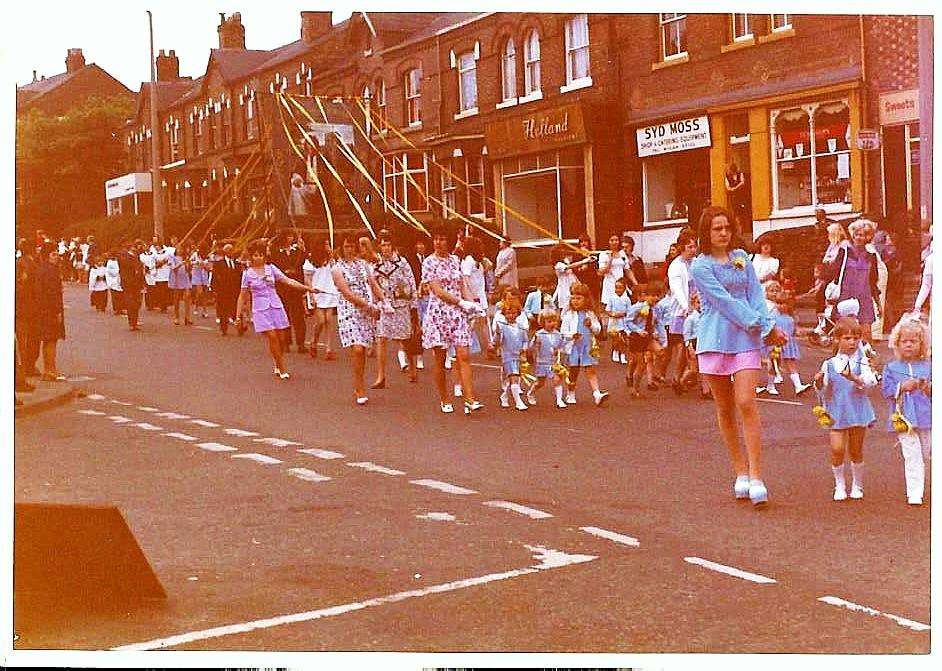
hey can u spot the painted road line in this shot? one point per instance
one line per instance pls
(148, 427)
(203, 422)
(485, 365)
(260, 458)
(172, 415)
(147, 408)
(612, 536)
(181, 436)
(80, 378)
(205, 328)
(532, 513)
(307, 474)
(120, 419)
(437, 517)
(322, 454)
(95, 397)
(277, 442)
(548, 559)
(117, 402)
(91, 412)
(217, 447)
(374, 468)
(442, 486)
(729, 570)
(775, 400)
(902, 621)
(240, 433)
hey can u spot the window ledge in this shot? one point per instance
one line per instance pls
(507, 103)
(576, 84)
(413, 127)
(673, 60)
(466, 113)
(536, 95)
(665, 223)
(739, 44)
(806, 210)
(777, 35)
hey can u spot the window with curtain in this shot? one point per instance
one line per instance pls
(577, 48)
(475, 179)
(508, 70)
(379, 102)
(531, 63)
(413, 92)
(742, 27)
(467, 82)
(673, 35)
(449, 190)
(781, 22)
(251, 128)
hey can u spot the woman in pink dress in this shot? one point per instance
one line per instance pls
(447, 321)
(268, 312)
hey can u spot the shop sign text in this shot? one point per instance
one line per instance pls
(674, 136)
(899, 107)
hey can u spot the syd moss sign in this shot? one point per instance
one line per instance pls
(680, 135)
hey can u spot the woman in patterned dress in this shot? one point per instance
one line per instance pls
(447, 319)
(356, 310)
(395, 278)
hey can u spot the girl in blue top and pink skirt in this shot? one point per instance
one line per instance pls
(734, 323)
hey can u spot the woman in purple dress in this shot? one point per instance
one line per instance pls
(268, 312)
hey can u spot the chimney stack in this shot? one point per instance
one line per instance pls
(74, 61)
(35, 78)
(315, 24)
(168, 66)
(231, 31)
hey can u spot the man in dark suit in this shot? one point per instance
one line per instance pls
(131, 271)
(226, 285)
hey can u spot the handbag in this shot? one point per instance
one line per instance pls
(833, 289)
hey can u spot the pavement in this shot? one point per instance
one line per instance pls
(280, 516)
(46, 395)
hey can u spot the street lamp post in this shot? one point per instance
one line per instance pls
(156, 185)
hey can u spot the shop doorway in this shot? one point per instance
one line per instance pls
(901, 159)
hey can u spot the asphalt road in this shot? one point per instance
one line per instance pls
(399, 529)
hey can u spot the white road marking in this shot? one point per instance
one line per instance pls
(902, 621)
(612, 536)
(172, 415)
(91, 412)
(438, 517)
(374, 468)
(80, 378)
(149, 427)
(307, 474)
(119, 419)
(147, 408)
(443, 486)
(95, 397)
(775, 400)
(260, 458)
(203, 422)
(117, 402)
(548, 559)
(216, 447)
(485, 365)
(532, 513)
(322, 454)
(205, 328)
(729, 570)
(181, 436)
(277, 442)
(240, 433)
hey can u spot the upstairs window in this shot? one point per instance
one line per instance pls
(251, 128)
(508, 70)
(577, 48)
(174, 137)
(379, 101)
(224, 134)
(781, 22)
(673, 35)
(413, 93)
(531, 63)
(742, 27)
(467, 82)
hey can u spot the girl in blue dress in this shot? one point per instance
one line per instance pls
(179, 283)
(546, 349)
(199, 279)
(844, 380)
(511, 336)
(646, 324)
(580, 326)
(617, 308)
(907, 387)
(790, 353)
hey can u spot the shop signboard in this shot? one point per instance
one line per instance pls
(899, 107)
(536, 132)
(868, 139)
(680, 135)
(135, 182)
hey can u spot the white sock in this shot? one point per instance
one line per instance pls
(770, 386)
(515, 390)
(403, 361)
(559, 393)
(796, 380)
(856, 468)
(839, 477)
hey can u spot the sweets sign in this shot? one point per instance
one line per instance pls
(674, 136)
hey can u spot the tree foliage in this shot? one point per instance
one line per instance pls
(62, 163)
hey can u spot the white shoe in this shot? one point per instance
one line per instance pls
(914, 501)
(403, 361)
(840, 494)
(520, 405)
(419, 363)
(624, 360)
(856, 492)
(458, 391)
(531, 399)
(760, 390)
(571, 398)
(561, 404)
(802, 388)
(778, 379)
(615, 356)
(504, 401)
(447, 408)
(448, 361)
(771, 391)
(600, 397)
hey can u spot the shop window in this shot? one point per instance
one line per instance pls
(577, 48)
(673, 35)
(548, 189)
(531, 63)
(449, 189)
(467, 82)
(405, 180)
(812, 155)
(413, 93)
(781, 22)
(742, 27)
(508, 71)
(676, 185)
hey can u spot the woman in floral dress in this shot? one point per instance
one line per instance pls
(447, 319)
(356, 309)
(395, 278)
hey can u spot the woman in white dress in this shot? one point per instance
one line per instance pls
(564, 267)
(472, 272)
(612, 264)
(325, 300)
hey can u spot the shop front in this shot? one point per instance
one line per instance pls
(900, 152)
(542, 170)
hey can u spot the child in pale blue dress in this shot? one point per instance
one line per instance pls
(580, 326)
(546, 349)
(511, 337)
(616, 308)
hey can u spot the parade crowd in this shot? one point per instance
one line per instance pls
(713, 318)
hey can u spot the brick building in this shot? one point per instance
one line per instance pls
(58, 94)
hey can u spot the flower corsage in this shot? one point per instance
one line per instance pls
(820, 411)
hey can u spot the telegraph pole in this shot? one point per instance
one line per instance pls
(156, 185)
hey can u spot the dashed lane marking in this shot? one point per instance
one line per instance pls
(120, 419)
(308, 474)
(485, 365)
(322, 454)
(729, 570)
(902, 621)
(91, 412)
(277, 442)
(181, 436)
(775, 400)
(94, 397)
(443, 486)
(240, 433)
(612, 536)
(532, 513)
(548, 559)
(172, 415)
(80, 378)
(437, 517)
(203, 422)
(374, 468)
(205, 328)
(260, 458)
(147, 408)
(217, 447)
(117, 402)
(148, 427)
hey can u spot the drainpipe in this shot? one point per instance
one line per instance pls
(865, 118)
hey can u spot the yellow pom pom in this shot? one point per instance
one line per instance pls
(817, 411)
